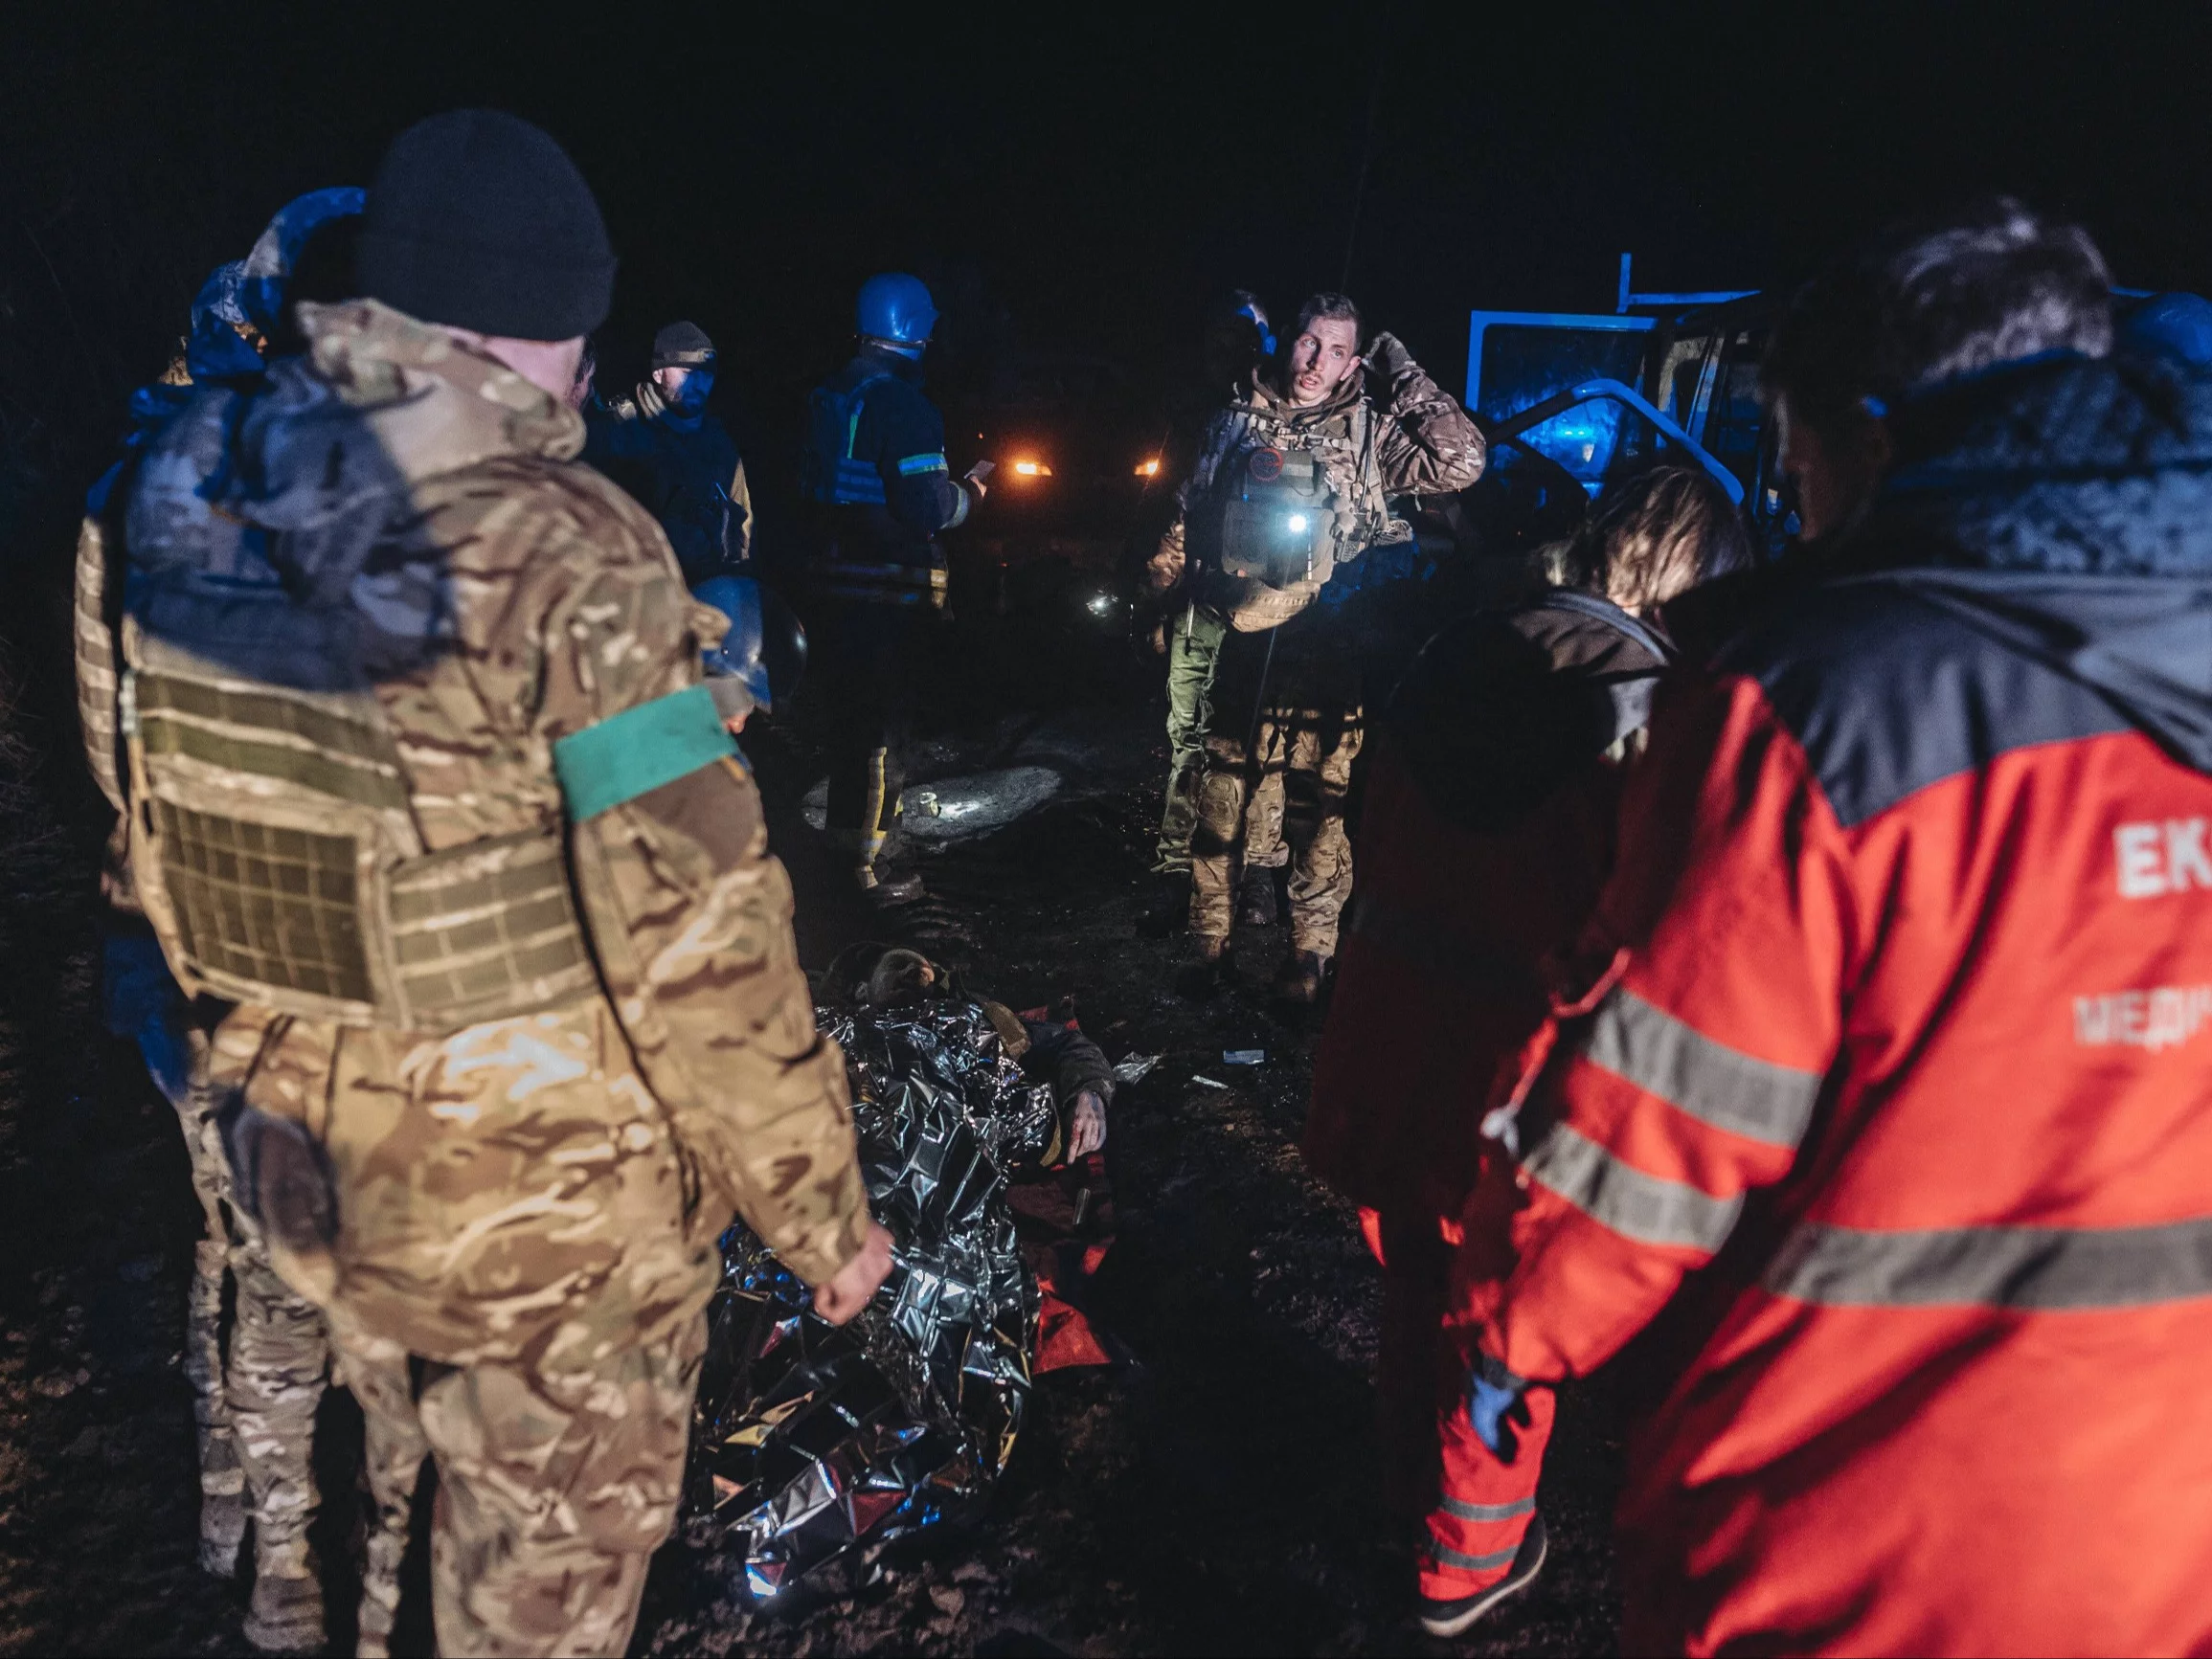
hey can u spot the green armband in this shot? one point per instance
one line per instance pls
(636, 752)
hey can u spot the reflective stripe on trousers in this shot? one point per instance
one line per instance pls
(874, 828)
(1491, 1562)
(1452, 1506)
(882, 584)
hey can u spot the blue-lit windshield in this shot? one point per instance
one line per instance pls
(1519, 364)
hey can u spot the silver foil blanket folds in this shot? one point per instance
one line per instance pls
(811, 1439)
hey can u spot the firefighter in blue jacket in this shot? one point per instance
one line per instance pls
(875, 471)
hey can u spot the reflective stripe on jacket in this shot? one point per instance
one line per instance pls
(875, 469)
(1904, 1050)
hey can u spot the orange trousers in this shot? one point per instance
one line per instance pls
(1476, 1506)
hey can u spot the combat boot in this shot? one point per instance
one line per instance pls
(1165, 908)
(286, 1615)
(886, 890)
(1202, 978)
(1303, 977)
(1255, 905)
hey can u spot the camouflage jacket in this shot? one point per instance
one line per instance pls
(397, 512)
(1419, 441)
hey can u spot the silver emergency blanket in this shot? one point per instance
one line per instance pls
(810, 1439)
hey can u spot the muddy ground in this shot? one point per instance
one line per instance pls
(1213, 1495)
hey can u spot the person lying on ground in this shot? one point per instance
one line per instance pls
(877, 975)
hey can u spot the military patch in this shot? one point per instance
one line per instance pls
(1266, 465)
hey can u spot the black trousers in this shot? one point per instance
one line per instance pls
(871, 655)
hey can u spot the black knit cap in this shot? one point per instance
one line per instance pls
(681, 345)
(479, 221)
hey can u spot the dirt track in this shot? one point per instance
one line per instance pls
(1215, 1496)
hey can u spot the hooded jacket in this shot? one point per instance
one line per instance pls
(1500, 759)
(397, 518)
(1889, 1076)
(685, 470)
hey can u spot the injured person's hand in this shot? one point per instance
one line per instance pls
(1086, 1130)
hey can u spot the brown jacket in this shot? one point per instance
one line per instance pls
(1414, 440)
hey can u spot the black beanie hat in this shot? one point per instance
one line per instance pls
(681, 345)
(479, 221)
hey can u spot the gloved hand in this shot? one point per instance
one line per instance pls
(145, 1004)
(1496, 1406)
(1386, 356)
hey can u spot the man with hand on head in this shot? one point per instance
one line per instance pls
(1289, 493)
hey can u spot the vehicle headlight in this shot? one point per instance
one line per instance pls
(1028, 468)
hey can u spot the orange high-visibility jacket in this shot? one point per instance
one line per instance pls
(1899, 1084)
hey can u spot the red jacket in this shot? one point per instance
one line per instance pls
(1485, 836)
(1905, 1063)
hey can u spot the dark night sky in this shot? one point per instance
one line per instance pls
(1091, 174)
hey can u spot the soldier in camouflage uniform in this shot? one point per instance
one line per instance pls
(427, 780)
(1303, 464)
(255, 1408)
(1237, 343)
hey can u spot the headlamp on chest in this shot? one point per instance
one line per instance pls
(1273, 522)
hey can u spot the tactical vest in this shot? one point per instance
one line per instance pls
(834, 475)
(276, 851)
(1283, 499)
(835, 478)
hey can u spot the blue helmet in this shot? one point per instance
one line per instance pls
(765, 650)
(276, 257)
(739, 657)
(2175, 326)
(894, 307)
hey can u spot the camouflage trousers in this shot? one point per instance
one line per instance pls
(1193, 650)
(255, 1406)
(553, 1491)
(1304, 755)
